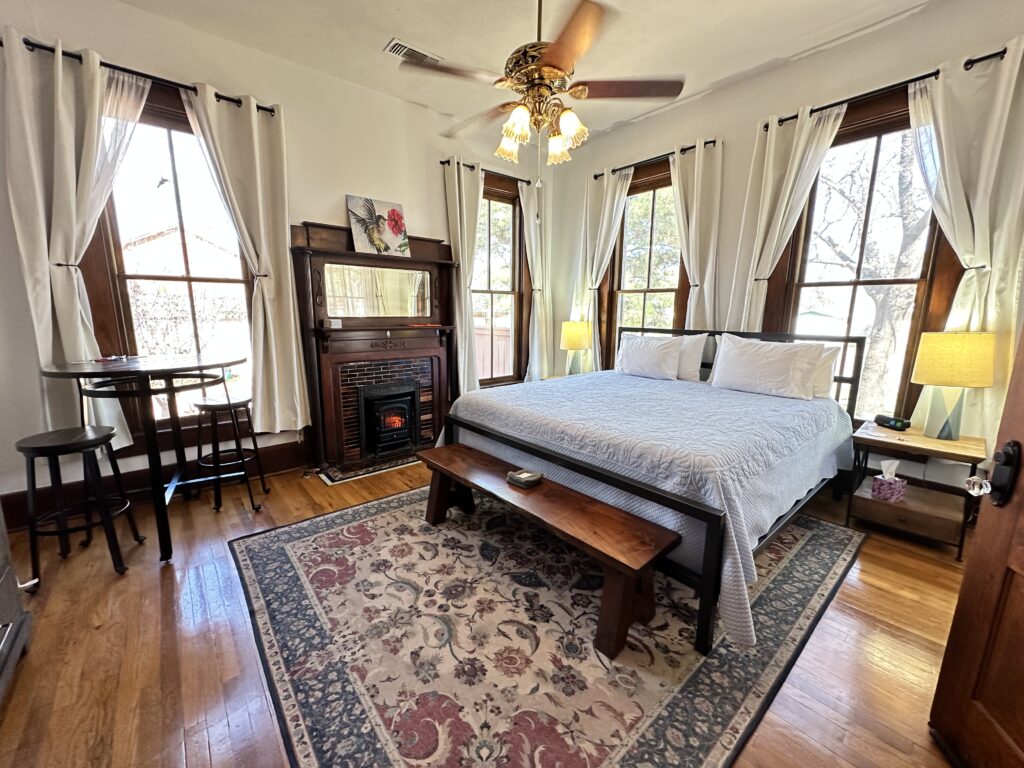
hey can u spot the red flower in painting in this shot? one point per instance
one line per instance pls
(396, 221)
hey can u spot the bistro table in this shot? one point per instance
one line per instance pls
(134, 377)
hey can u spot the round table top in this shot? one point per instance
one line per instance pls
(137, 365)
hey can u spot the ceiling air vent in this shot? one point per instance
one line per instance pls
(405, 51)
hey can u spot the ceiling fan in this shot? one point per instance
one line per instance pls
(540, 73)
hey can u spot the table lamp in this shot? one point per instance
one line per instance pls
(575, 336)
(950, 362)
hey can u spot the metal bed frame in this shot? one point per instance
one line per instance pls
(706, 582)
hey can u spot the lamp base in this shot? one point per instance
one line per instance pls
(945, 413)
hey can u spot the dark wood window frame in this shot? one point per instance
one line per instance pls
(647, 178)
(505, 190)
(940, 274)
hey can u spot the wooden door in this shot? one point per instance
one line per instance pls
(978, 711)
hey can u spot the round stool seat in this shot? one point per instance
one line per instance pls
(59, 442)
(219, 405)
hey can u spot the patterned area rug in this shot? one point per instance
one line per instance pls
(387, 641)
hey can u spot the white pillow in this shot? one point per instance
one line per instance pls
(825, 372)
(653, 358)
(766, 367)
(691, 353)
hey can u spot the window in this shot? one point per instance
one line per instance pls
(179, 274)
(498, 272)
(649, 267)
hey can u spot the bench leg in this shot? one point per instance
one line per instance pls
(645, 596)
(439, 500)
(617, 610)
(463, 496)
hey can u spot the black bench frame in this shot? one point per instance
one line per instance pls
(706, 582)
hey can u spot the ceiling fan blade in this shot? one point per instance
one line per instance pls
(576, 37)
(453, 70)
(486, 116)
(626, 89)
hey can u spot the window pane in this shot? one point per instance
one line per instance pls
(636, 241)
(883, 314)
(900, 213)
(823, 311)
(631, 310)
(213, 249)
(162, 317)
(501, 246)
(665, 252)
(839, 206)
(501, 335)
(223, 319)
(482, 334)
(659, 310)
(480, 265)
(147, 214)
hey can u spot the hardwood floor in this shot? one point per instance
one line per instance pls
(159, 667)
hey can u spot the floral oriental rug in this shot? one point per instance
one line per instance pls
(389, 642)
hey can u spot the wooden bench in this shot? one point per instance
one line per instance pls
(625, 545)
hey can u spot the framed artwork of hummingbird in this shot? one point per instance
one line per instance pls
(377, 226)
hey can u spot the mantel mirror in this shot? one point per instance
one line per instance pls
(352, 290)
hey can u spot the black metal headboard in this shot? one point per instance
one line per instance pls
(858, 342)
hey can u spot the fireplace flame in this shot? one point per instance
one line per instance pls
(393, 421)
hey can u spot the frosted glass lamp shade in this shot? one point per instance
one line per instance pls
(955, 359)
(575, 335)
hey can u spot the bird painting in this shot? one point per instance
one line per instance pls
(377, 227)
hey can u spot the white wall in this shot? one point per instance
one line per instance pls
(341, 138)
(952, 30)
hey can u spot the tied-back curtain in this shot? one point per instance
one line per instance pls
(245, 149)
(464, 188)
(66, 128)
(968, 130)
(697, 184)
(604, 203)
(541, 338)
(786, 161)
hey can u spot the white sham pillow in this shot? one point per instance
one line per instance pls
(766, 367)
(652, 358)
(825, 372)
(691, 353)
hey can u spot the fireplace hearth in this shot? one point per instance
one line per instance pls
(389, 417)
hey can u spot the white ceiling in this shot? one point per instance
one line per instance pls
(708, 41)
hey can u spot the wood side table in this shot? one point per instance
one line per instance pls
(930, 510)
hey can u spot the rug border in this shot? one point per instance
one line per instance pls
(780, 680)
(282, 725)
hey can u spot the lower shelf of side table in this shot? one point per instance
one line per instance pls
(926, 512)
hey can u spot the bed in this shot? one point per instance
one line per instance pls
(725, 469)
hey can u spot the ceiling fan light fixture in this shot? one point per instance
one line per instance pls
(558, 149)
(572, 128)
(508, 150)
(517, 127)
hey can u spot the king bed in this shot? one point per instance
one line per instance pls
(725, 469)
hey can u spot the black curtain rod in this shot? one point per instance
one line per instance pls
(32, 45)
(968, 65)
(657, 158)
(472, 167)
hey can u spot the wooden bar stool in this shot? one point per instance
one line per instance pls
(54, 522)
(214, 408)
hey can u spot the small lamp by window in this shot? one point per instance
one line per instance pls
(575, 335)
(950, 362)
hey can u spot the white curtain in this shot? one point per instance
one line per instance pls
(604, 202)
(66, 127)
(245, 149)
(541, 334)
(464, 189)
(697, 184)
(968, 129)
(786, 161)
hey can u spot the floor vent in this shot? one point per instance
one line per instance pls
(405, 51)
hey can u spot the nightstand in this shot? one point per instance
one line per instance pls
(930, 510)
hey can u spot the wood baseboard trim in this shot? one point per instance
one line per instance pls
(276, 458)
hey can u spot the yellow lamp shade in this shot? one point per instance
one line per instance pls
(955, 359)
(575, 335)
